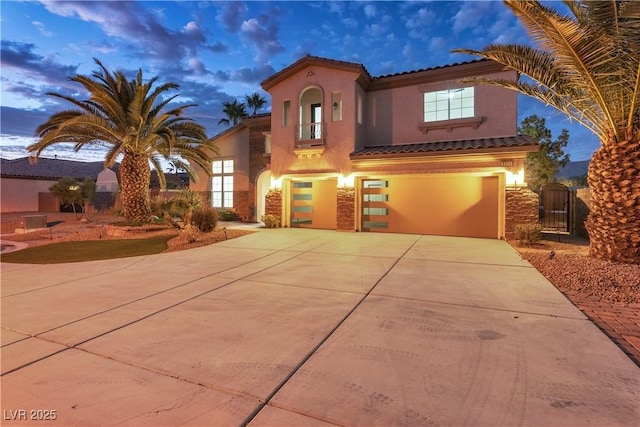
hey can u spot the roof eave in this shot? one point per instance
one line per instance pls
(516, 150)
(306, 61)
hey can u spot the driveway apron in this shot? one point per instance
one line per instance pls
(307, 327)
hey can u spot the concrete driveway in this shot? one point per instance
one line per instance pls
(307, 328)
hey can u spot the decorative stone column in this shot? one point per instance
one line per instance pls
(273, 203)
(346, 209)
(521, 207)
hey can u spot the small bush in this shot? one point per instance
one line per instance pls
(227, 215)
(205, 219)
(271, 221)
(528, 233)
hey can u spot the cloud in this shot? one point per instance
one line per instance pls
(251, 75)
(262, 32)
(21, 57)
(231, 16)
(370, 11)
(43, 30)
(145, 36)
(103, 47)
(419, 22)
(217, 47)
(470, 13)
(21, 122)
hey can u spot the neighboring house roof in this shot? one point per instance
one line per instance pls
(451, 71)
(244, 122)
(519, 142)
(52, 169)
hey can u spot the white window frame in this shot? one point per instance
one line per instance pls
(222, 183)
(449, 104)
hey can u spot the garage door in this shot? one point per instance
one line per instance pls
(436, 204)
(313, 204)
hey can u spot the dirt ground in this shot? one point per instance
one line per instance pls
(64, 227)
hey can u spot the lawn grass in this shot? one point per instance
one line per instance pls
(89, 250)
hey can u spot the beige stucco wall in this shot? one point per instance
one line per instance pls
(388, 116)
(339, 136)
(395, 114)
(234, 145)
(21, 195)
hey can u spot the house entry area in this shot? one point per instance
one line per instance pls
(314, 203)
(436, 204)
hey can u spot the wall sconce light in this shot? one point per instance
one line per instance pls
(335, 105)
(346, 181)
(515, 178)
(276, 183)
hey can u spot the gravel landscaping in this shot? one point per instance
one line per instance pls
(565, 262)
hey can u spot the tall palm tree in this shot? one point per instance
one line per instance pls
(255, 101)
(586, 64)
(234, 111)
(129, 118)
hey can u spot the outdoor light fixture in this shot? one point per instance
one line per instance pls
(515, 178)
(346, 181)
(276, 183)
(335, 105)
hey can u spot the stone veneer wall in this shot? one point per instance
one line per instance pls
(273, 203)
(258, 162)
(521, 207)
(346, 209)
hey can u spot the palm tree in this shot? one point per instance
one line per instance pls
(234, 110)
(123, 115)
(586, 64)
(255, 101)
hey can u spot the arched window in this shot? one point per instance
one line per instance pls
(310, 120)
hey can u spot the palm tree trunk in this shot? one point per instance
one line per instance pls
(135, 174)
(614, 219)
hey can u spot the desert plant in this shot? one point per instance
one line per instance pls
(68, 191)
(271, 221)
(529, 233)
(205, 219)
(227, 215)
(586, 64)
(186, 203)
(130, 119)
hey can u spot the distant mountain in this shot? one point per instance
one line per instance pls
(573, 169)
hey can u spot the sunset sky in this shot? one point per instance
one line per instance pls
(221, 51)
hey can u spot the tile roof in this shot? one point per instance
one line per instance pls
(369, 82)
(445, 146)
(51, 169)
(438, 67)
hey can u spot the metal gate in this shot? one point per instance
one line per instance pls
(555, 208)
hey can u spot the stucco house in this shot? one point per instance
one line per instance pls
(414, 152)
(25, 183)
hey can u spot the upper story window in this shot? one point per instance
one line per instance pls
(449, 104)
(222, 184)
(310, 120)
(286, 109)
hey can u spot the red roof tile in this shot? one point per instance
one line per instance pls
(445, 146)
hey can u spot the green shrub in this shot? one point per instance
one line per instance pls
(205, 219)
(187, 202)
(271, 221)
(227, 215)
(529, 233)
